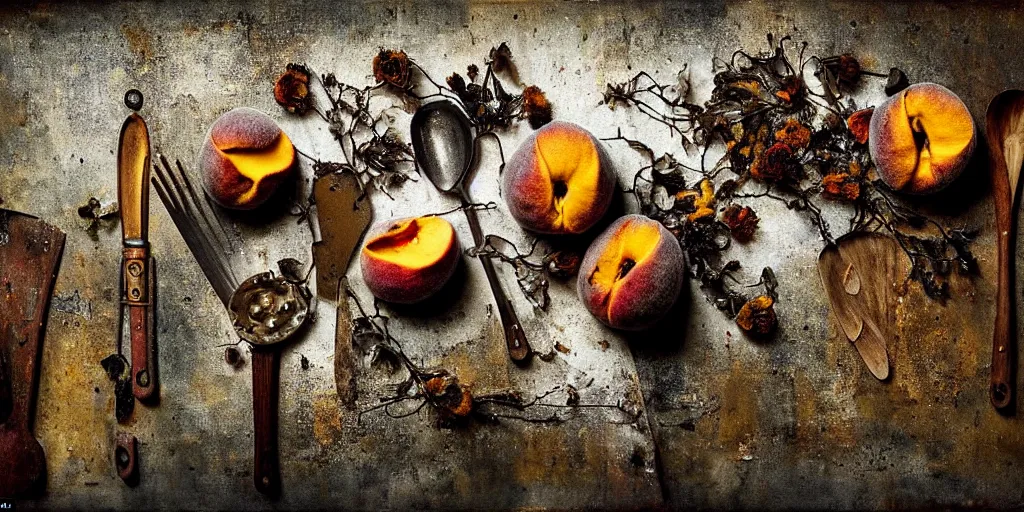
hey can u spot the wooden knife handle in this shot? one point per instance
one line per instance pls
(267, 475)
(1001, 388)
(140, 294)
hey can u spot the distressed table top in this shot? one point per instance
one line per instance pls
(797, 421)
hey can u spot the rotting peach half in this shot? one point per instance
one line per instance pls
(244, 158)
(921, 138)
(632, 273)
(559, 180)
(407, 260)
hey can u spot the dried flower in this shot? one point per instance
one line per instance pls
(391, 66)
(792, 89)
(457, 83)
(703, 200)
(858, 122)
(501, 58)
(757, 316)
(563, 264)
(773, 164)
(291, 90)
(452, 398)
(742, 221)
(840, 186)
(794, 133)
(536, 107)
(847, 69)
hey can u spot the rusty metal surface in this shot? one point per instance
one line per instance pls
(793, 422)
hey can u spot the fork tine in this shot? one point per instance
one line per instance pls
(215, 225)
(223, 244)
(185, 214)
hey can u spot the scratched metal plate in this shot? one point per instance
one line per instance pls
(794, 422)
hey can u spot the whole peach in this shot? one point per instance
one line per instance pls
(921, 138)
(244, 158)
(632, 273)
(407, 260)
(560, 180)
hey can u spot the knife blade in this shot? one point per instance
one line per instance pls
(137, 268)
(343, 214)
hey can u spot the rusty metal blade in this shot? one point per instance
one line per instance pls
(343, 214)
(133, 178)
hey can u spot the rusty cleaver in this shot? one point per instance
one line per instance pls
(343, 214)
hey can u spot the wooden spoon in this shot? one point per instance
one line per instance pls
(30, 253)
(1004, 126)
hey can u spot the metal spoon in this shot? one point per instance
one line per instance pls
(1004, 126)
(443, 143)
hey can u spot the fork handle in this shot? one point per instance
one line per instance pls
(267, 473)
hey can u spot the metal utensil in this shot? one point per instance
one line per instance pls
(1004, 126)
(266, 311)
(30, 254)
(343, 213)
(443, 143)
(199, 224)
(137, 265)
(203, 230)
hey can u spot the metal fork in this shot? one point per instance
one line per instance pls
(199, 224)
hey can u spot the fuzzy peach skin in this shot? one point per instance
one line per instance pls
(407, 260)
(559, 181)
(632, 273)
(244, 158)
(921, 138)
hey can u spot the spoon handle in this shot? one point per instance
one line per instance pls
(515, 336)
(267, 475)
(1001, 388)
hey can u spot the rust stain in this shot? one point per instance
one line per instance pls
(326, 420)
(13, 107)
(543, 458)
(483, 365)
(139, 41)
(739, 415)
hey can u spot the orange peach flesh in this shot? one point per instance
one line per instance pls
(938, 131)
(628, 248)
(414, 244)
(256, 164)
(571, 162)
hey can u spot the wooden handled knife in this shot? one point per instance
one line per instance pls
(137, 266)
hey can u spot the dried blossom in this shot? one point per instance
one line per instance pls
(291, 90)
(774, 164)
(391, 66)
(536, 107)
(451, 398)
(859, 123)
(757, 316)
(742, 221)
(840, 186)
(564, 263)
(794, 134)
(700, 203)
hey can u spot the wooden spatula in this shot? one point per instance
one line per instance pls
(1004, 126)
